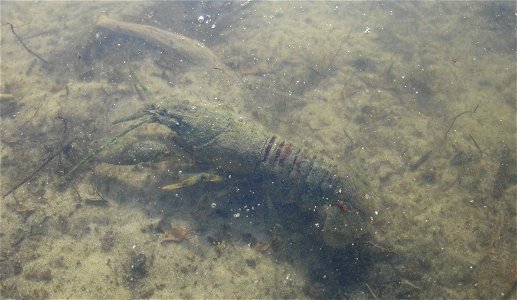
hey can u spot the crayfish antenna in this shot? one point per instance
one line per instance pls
(141, 113)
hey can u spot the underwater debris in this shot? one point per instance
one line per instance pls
(25, 211)
(251, 263)
(193, 180)
(187, 49)
(108, 240)
(506, 174)
(264, 247)
(146, 293)
(25, 46)
(460, 158)
(39, 275)
(414, 166)
(456, 117)
(56, 152)
(192, 50)
(175, 234)
(476, 144)
(342, 206)
(6, 97)
(428, 176)
(33, 174)
(137, 267)
(249, 239)
(96, 202)
(371, 291)
(9, 267)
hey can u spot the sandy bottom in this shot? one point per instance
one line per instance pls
(421, 96)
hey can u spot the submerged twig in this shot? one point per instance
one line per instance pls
(26, 179)
(25, 46)
(349, 137)
(457, 116)
(46, 162)
(192, 50)
(371, 291)
(476, 144)
(414, 166)
(65, 129)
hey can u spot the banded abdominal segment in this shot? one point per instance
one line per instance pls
(298, 166)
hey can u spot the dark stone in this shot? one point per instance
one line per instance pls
(6, 270)
(39, 227)
(364, 64)
(39, 275)
(429, 176)
(108, 240)
(506, 174)
(460, 158)
(63, 224)
(251, 263)
(137, 267)
(17, 267)
(213, 240)
(249, 239)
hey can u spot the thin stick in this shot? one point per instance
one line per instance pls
(32, 175)
(476, 144)
(458, 115)
(420, 161)
(194, 51)
(65, 128)
(371, 291)
(348, 136)
(26, 179)
(25, 46)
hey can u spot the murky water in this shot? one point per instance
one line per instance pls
(418, 98)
